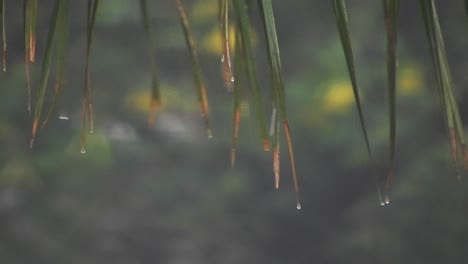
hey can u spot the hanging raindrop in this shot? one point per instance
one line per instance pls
(298, 206)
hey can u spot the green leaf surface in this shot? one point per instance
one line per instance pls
(445, 84)
(46, 65)
(244, 28)
(155, 100)
(197, 72)
(391, 10)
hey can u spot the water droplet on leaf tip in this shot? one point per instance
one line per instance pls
(387, 200)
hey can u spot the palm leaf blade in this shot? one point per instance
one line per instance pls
(155, 100)
(251, 72)
(197, 73)
(391, 9)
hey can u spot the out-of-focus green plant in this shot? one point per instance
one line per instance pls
(234, 38)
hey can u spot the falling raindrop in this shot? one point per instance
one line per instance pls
(91, 131)
(298, 206)
(222, 58)
(63, 117)
(382, 203)
(232, 79)
(83, 150)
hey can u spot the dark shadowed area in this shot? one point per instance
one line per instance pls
(167, 194)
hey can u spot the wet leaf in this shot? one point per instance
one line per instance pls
(87, 112)
(155, 101)
(227, 71)
(46, 65)
(445, 84)
(197, 72)
(244, 28)
(61, 44)
(278, 94)
(341, 15)
(4, 40)
(30, 17)
(391, 10)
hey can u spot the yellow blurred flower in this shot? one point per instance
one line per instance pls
(338, 96)
(139, 101)
(211, 43)
(410, 81)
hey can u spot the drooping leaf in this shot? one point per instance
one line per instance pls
(339, 8)
(60, 44)
(278, 94)
(30, 17)
(445, 84)
(391, 10)
(197, 73)
(4, 41)
(87, 112)
(155, 101)
(244, 28)
(237, 95)
(46, 66)
(227, 71)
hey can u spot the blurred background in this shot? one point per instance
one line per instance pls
(167, 194)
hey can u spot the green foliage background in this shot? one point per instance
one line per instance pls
(165, 194)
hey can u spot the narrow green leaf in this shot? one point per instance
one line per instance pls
(466, 6)
(46, 67)
(391, 10)
(244, 27)
(445, 84)
(4, 40)
(197, 73)
(228, 75)
(61, 44)
(278, 94)
(339, 8)
(87, 112)
(30, 17)
(155, 101)
(237, 96)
